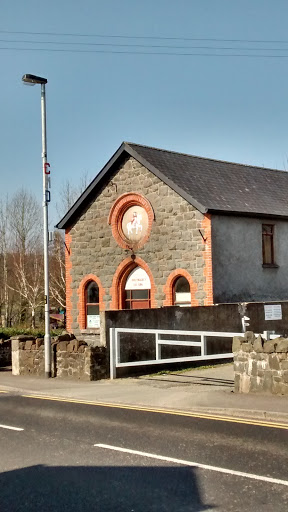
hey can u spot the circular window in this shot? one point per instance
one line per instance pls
(131, 219)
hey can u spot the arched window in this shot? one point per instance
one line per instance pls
(181, 292)
(92, 305)
(137, 290)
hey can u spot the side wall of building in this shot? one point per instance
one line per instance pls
(238, 273)
(180, 238)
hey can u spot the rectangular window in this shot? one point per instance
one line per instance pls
(268, 244)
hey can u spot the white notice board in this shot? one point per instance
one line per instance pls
(273, 312)
(93, 321)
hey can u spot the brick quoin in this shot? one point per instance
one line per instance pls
(120, 276)
(168, 288)
(68, 268)
(117, 211)
(208, 286)
(82, 299)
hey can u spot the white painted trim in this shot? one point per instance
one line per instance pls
(189, 333)
(182, 343)
(176, 360)
(202, 344)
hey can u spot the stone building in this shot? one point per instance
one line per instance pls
(158, 228)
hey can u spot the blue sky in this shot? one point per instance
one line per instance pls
(229, 108)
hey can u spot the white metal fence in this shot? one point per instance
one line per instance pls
(160, 340)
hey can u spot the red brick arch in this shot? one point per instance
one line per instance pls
(120, 277)
(168, 288)
(81, 301)
(117, 211)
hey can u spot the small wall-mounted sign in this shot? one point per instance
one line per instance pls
(273, 312)
(93, 321)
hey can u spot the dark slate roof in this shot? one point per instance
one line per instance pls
(210, 185)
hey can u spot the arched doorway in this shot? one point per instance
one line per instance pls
(137, 290)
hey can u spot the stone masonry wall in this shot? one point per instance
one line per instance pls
(28, 356)
(260, 366)
(78, 361)
(175, 240)
(71, 358)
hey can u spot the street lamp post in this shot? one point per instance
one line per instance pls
(33, 80)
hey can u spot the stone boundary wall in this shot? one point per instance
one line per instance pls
(70, 358)
(76, 360)
(5, 353)
(260, 366)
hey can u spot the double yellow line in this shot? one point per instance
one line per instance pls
(188, 414)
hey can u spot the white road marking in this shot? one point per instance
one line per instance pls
(11, 428)
(195, 464)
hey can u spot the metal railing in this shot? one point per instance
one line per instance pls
(160, 341)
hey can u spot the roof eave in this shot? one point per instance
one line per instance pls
(66, 220)
(70, 216)
(165, 180)
(214, 211)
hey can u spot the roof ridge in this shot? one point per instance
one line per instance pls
(205, 158)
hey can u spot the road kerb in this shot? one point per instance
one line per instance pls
(217, 416)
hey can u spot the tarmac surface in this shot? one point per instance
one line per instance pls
(202, 391)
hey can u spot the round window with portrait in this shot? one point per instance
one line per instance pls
(134, 223)
(131, 218)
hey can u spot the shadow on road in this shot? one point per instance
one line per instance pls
(100, 488)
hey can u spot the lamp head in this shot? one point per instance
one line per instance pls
(33, 80)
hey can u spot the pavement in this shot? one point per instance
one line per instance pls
(206, 391)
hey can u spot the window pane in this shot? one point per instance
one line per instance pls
(268, 243)
(140, 294)
(267, 250)
(92, 293)
(182, 285)
(92, 310)
(267, 229)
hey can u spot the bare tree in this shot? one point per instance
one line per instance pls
(21, 255)
(4, 254)
(26, 248)
(57, 270)
(28, 270)
(69, 194)
(24, 222)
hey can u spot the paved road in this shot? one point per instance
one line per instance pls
(206, 390)
(53, 463)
